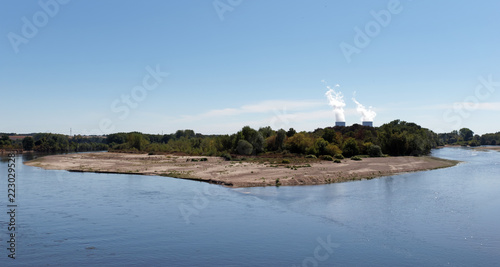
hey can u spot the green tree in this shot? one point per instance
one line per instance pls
(332, 150)
(117, 138)
(320, 146)
(350, 147)
(466, 134)
(252, 136)
(266, 131)
(299, 143)
(28, 143)
(374, 151)
(280, 139)
(291, 132)
(137, 141)
(329, 135)
(5, 140)
(244, 147)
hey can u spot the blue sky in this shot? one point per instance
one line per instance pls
(231, 63)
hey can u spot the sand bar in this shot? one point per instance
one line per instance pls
(247, 173)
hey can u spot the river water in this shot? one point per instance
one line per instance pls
(445, 217)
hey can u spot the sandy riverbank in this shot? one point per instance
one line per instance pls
(483, 148)
(239, 174)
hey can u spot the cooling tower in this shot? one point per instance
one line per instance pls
(368, 123)
(340, 123)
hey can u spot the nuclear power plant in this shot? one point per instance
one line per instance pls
(364, 123)
(336, 101)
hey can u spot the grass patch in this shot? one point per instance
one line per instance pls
(339, 156)
(327, 157)
(177, 174)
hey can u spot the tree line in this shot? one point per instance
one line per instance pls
(396, 138)
(466, 137)
(49, 142)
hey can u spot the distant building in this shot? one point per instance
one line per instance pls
(368, 123)
(340, 123)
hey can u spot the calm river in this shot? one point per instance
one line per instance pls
(446, 217)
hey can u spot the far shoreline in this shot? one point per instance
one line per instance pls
(234, 174)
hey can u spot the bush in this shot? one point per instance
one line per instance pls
(337, 161)
(339, 156)
(285, 161)
(474, 143)
(300, 143)
(374, 151)
(311, 157)
(244, 147)
(327, 157)
(332, 150)
(355, 158)
(226, 156)
(203, 159)
(350, 147)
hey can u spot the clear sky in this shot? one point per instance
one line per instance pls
(86, 65)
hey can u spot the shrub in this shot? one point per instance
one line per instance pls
(244, 147)
(355, 158)
(474, 143)
(226, 156)
(299, 143)
(332, 149)
(350, 147)
(339, 156)
(203, 159)
(285, 161)
(337, 161)
(278, 182)
(311, 157)
(374, 151)
(327, 157)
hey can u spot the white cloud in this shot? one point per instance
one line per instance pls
(264, 107)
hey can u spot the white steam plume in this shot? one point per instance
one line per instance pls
(366, 114)
(336, 100)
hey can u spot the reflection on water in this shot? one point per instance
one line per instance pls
(441, 217)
